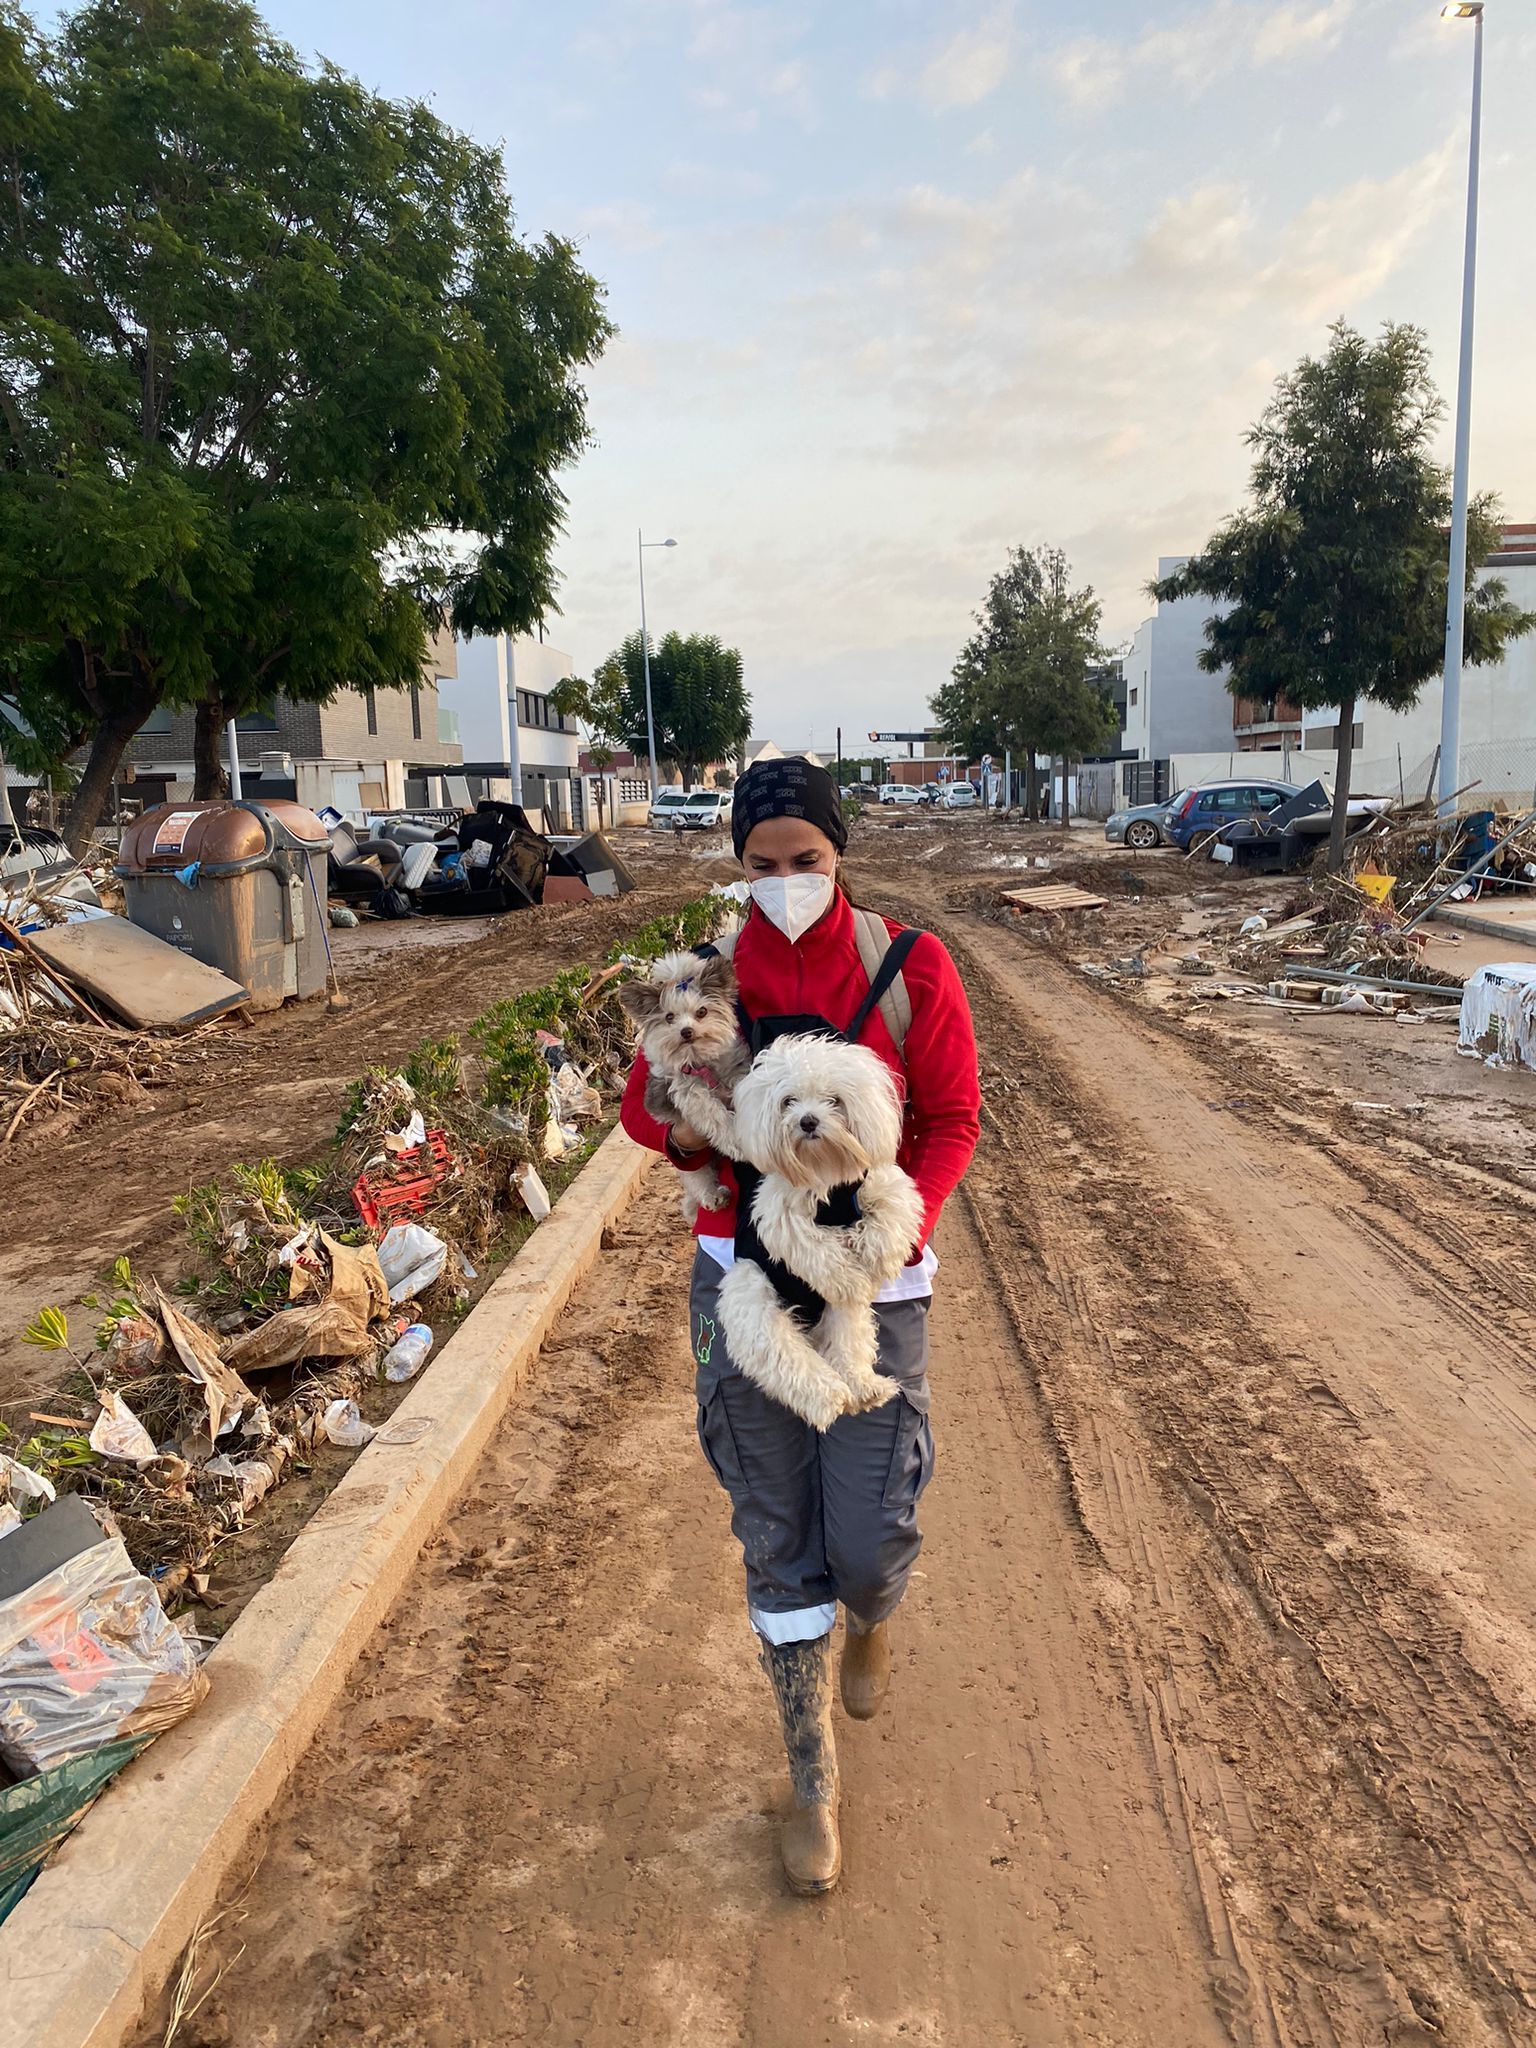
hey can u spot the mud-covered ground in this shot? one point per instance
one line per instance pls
(1214, 1697)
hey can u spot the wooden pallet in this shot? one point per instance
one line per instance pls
(1054, 896)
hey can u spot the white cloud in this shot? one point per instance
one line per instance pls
(1193, 54)
(961, 72)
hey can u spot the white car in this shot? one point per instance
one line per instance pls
(900, 793)
(699, 810)
(961, 796)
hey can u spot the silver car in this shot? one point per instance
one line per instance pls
(1140, 828)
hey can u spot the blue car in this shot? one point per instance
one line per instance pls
(1207, 806)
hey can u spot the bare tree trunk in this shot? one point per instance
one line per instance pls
(1341, 785)
(210, 777)
(108, 745)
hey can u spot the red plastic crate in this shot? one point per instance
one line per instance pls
(406, 1186)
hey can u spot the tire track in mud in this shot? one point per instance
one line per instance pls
(1357, 1794)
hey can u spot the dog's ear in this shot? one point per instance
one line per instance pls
(641, 1000)
(717, 977)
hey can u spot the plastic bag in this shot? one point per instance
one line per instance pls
(412, 1258)
(10, 1518)
(117, 1433)
(22, 1483)
(87, 1657)
(344, 1425)
(573, 1096)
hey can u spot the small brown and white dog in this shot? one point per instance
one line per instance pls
(814, 1114)
(689, 1033)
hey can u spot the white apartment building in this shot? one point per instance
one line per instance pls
(1498, 710)
(517, 747)
(1172, 706)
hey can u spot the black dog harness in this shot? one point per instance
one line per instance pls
(841, 1207)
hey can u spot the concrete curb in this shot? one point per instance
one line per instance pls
(1487, 927)
(101, 1929)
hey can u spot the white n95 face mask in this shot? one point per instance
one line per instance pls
(793, 902)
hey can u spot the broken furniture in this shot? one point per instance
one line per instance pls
(151, 985)
(367, 872)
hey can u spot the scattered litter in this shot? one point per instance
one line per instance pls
(117, 1433)
(342, 919)
(344, 1425)
(405, 1358)
(1253, 924)
(411, 1257)
(534, 1194)
(414, 1134)
(409, 1429)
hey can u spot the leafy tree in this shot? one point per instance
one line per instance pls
(1335, 579)
(600, 705)
(700, 703)
(279, 384)
(1024, 681)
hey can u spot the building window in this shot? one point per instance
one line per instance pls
(371, 699)
(415, 711)
(1134, 695)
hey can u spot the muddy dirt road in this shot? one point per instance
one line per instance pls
(1213, 1709)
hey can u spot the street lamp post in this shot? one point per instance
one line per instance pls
(645, 653)
(1456, 581)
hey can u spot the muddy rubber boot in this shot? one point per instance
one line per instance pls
(866, 1668)
(801, 1677)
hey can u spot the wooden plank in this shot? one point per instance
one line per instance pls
(1055, 896)
(154, 986)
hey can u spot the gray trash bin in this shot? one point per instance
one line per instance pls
(241, 886)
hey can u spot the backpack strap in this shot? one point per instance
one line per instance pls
(882, 957)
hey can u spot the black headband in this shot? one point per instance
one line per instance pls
(788, 788)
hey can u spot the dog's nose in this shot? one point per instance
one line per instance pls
(686, 1034)
(810, 1124)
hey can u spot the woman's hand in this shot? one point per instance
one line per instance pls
(687, 1139)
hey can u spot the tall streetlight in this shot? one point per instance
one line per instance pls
(1456, 582)
(645, 653)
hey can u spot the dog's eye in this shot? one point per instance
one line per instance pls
(786, 1105)
(837, 1105)
(670, 1018)
(702, 1010)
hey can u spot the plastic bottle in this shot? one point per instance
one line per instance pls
(409, 1353)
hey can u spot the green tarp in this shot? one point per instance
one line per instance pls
(36, 1815)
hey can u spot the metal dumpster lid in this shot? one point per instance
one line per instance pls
(225, 837)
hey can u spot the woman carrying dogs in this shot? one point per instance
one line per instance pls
(824, 1515)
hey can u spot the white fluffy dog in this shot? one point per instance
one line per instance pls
(814, 1114)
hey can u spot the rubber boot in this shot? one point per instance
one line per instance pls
(866, 1668)
(801, 1677)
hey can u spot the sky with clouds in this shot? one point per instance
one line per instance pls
(900, 284)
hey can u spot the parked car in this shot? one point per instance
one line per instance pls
(1140, 827)
(698, 810)
(900, 793)
(1208, 806)
(961, 796)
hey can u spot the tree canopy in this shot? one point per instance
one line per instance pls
(699, 698)
(1334, 579)
(280, 385)
(1026, 681)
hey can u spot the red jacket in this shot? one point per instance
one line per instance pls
(823, 975)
